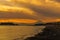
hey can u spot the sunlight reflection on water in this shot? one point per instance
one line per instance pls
(13, 32)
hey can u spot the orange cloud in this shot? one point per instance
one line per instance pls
(18, 20)
(16, 9)
(51, 20)
(39, 9)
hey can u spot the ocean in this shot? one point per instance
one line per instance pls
(18, 32)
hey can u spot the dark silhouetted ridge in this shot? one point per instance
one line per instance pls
(44, 24)
(8, 23)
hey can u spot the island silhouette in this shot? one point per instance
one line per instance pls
(12, 23)
(8, 23)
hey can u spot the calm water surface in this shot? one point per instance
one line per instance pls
(21, 32)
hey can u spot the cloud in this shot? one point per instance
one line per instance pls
(13, 15)
(40, 9)
(56, 1)
(45, 10)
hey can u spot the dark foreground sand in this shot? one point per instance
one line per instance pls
(51, 32)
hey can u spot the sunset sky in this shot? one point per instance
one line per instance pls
(41, 10)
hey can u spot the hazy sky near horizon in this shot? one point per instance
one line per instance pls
(30, 9)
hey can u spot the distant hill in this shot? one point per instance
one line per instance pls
(53, 23)
(18, 24)
(8, 23)
(45, 24)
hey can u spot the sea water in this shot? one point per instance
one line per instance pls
(18, 32)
